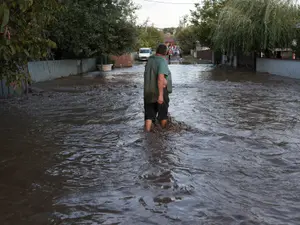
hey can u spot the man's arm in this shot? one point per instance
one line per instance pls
(161, 85)
(161, 80)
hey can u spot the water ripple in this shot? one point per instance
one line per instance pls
(230, 154)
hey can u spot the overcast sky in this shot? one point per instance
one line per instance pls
(161, 14)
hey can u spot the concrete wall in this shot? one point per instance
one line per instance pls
(287, 68)
(49, 70)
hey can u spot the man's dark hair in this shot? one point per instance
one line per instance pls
(161, 49)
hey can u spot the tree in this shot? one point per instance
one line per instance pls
(149, 36)
(185, 35)
(205, 18)
(170, 30)
(186, 38)
(256, 25)
(91, 27)
(23, 36)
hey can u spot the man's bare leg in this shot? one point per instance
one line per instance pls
(163, 123)
(148, 124)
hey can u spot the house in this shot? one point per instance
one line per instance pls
(169, 39)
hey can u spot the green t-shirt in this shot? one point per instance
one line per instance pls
(156, 65)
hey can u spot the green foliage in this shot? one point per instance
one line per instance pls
(256, 25)
(87, 28)
(29, 29)
(149, 36)
(4, 15)
(170, 30)
(22, 35)
(205, 18)
(186, 38)
(104, 59)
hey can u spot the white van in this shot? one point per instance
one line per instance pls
(144, 53)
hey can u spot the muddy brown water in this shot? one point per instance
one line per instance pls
(77, 154)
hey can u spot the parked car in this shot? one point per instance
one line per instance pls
(144, 53)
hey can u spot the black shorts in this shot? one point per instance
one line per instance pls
(155, 110)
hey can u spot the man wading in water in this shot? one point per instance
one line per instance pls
(157, 86)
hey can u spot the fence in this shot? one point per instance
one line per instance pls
(205, 55)
(281, 67)
(49, 70)
(8, 90)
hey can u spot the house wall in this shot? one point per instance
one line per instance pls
(205, 54)
(287, 55)
(287, 68)
(125, 60)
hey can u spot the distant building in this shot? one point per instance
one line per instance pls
(168, 39)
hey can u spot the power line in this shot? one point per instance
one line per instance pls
(173, 3)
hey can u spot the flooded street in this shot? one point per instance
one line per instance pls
(78, 155)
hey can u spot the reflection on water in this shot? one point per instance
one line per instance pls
(78, 154)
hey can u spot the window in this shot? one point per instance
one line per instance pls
(145, 51)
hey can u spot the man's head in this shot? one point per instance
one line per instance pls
(161, 49)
